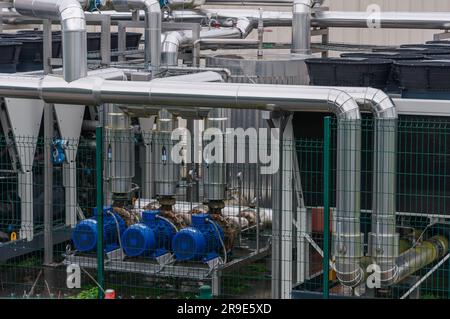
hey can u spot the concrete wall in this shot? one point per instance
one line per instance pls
(389, 37)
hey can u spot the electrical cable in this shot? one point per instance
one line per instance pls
(220, 239)
(165, 219)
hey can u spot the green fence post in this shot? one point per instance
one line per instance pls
(326, 206)
(99, 181)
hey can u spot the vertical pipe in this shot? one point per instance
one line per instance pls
(48, 169)
(347, 237)
(99, 181)
(301, 26)
(47, 46)
(383, 239)
(326, 206)
(153, 22)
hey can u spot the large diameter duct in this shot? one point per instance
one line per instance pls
(153, 20)
(73, 24)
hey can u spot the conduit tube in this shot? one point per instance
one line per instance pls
(94, 91)
(73, 24)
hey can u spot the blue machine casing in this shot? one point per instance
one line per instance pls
(151, 238)
(84, 235)
(200, 241)
(58, 155)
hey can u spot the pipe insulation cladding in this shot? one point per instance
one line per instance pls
(153, 22)
(73, 24)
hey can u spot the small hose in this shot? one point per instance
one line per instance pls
(117, 228)
(221, 241)
(165, 219)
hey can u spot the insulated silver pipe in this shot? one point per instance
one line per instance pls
(382, 19)
(73, 25)
(152, 32)
(94, 91)
(167, 173)
(383, 240)
(419, 256)
(174, 40)
(301, 26)
(207, 76)
(214, 173)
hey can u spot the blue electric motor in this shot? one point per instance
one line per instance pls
(200, 241)
(84, 235)
(151, 238)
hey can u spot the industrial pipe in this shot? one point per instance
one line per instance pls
(153, 21)
(94, 91)
(383, 19)
(383, 240)
(301, 26)
(419, 257)
(325, 19)
(197, 46)
(73, 25)
(174, 40)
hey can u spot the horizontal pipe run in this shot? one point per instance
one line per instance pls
(197, 46)
(96, 91)
(173, 41)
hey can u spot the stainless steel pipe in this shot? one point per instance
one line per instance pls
(174, 40)
(153, 21)
(419, 256)
(94, 91)
(73, 25)
(383, 240)
(301, 26)
(399, 20)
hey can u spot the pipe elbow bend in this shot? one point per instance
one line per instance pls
(343, 105)
(382, 105)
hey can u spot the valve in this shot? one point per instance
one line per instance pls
(58, 154)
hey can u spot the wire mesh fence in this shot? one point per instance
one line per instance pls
(172, 228)
(23, 209)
